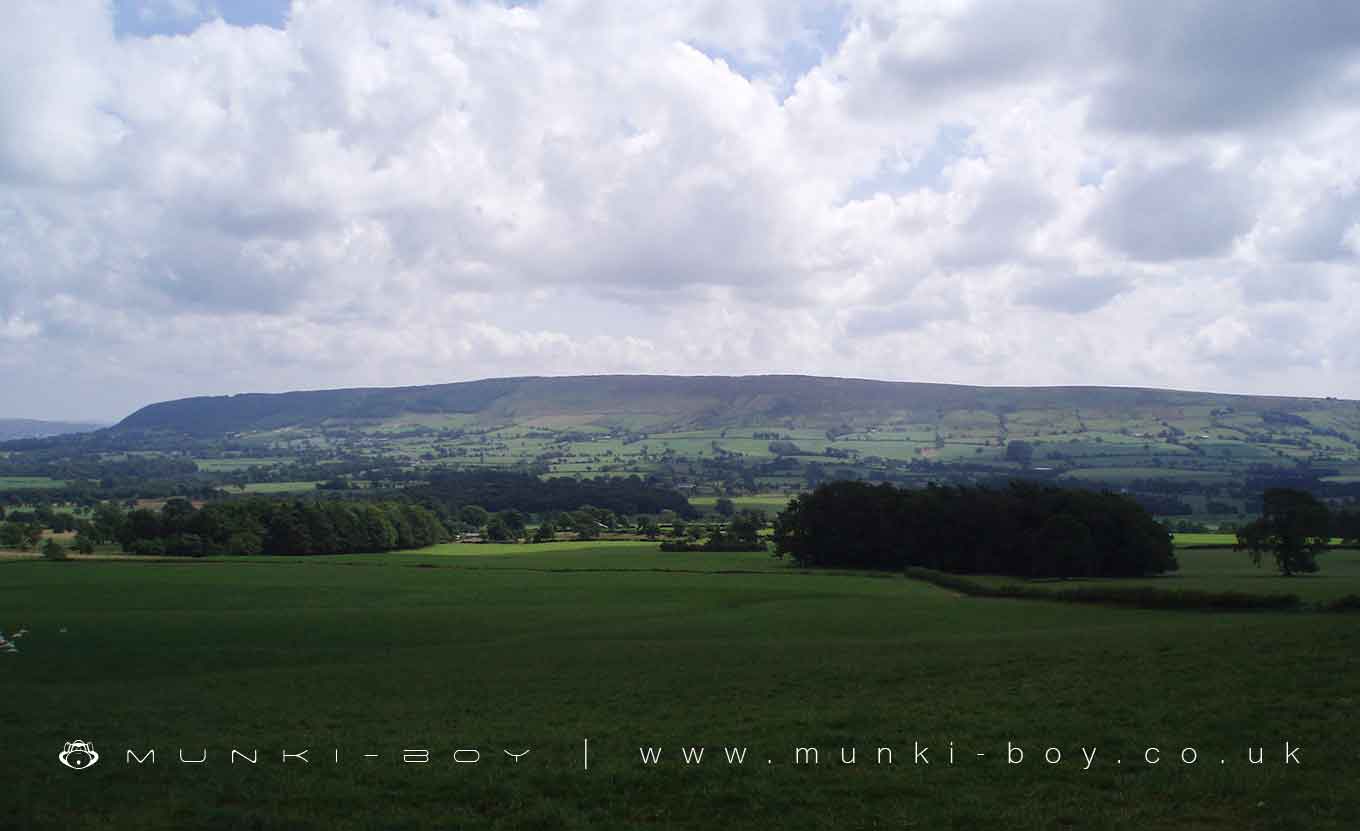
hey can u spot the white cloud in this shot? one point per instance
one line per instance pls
(414, 191)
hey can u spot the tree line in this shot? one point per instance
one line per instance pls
(742, 533)
(500, 490)
(270, 526)
(1023, 530)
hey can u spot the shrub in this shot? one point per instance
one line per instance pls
(728, 545)
(1139, 597)
(1348, 603)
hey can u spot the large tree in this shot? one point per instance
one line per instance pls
(745, 527)
(1294, 526)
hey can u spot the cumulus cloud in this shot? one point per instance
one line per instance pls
(1176, 67)
(199, 197)
(1073, 295)
(1173, 211)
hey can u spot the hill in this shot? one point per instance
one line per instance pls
(1181, 453)
(670, 403)
(27, 428)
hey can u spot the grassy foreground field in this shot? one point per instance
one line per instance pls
(542, 647)
(1225, 570)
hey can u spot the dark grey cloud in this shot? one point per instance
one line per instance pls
(1172, 66)
(990, 45)
(1286, 283)
(993, 231)
(1174, 211)
(1327, 230)
(1072, 295)
(900, 317)
(1267, 340)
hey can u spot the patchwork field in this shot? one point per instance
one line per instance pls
(542, 647)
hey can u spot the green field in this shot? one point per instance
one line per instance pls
(233, 464)
(770, 503)
(16, 483)
(540, 647)
(1222, 569)
(1204, 539)
(280, 487)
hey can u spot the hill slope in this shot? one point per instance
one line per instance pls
(704, 402)
(28, 428)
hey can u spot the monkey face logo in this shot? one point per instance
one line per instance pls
(78, 755)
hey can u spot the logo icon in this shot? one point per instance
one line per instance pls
(78, 755)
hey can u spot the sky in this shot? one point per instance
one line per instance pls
(216, 196)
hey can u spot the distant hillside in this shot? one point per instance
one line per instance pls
(643, 402)
(27, 428)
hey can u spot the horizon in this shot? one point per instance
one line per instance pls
(109, 421)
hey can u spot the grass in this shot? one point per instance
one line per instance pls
(278, 487)
(1130, 474)
(1225, 570)
(454, 648)
(770, 503)
(234, 464)
(1204, 539)
(18, 483)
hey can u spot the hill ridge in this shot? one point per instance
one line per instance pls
(664, 401)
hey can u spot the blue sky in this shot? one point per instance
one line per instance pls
(141, 18)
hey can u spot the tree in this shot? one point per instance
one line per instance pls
(546, 532)
(498, 530)
(474, 516)
(514, 520)
(724, 507)
(53, 550)
(745, 527)
(585, 524)
(176, 513)
(11, 535)
(1294, 526)
(1346, 525)
(84, 544)
(1064, 548)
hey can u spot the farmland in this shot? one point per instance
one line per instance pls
(493, 647)
(760, 439)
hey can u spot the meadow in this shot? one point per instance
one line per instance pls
(770, 503)
(1225, 570)
(540, 647)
